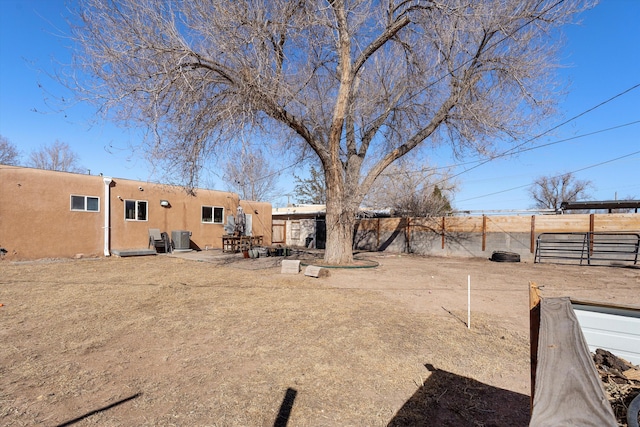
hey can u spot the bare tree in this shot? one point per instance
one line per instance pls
(549, 192)
(311, 190)
(56, 157)
(248, 173)
(9, 154)
(418, 193)
(361, 83)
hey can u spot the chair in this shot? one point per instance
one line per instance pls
(159, 240)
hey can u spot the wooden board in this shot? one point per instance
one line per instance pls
(511, 224)
(617, 222)
(562, 223)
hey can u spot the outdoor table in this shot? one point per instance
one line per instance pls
(235, 244)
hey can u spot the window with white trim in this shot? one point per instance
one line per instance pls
(212, 214)
(85, 203)
(295, 230)
(135, 210)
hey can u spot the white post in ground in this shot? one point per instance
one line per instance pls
(469, 302)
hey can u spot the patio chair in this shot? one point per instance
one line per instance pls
(159, 240)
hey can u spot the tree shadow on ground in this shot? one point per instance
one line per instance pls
(400, 229)
(447, 399)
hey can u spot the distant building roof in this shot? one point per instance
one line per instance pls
(604, 204)
(321, 210)
(300, 210)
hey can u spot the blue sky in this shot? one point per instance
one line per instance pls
(601, 58)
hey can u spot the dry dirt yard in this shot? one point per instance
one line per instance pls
(199, 340)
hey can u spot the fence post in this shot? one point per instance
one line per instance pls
(444, 228)
(592, 223)
(484, 232)
(533, 233)
(408, 235)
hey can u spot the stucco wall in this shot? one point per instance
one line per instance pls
(305, 229)
(260, 218)
(36, 220)
(183, 213)
(296, 232)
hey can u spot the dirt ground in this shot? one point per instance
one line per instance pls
(205, 340)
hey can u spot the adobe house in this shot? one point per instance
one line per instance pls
(48, 214)
(304, 225)
(300, 225)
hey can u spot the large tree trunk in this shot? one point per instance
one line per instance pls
(343, 201)
(340, 223)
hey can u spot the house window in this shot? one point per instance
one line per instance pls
(85, 203)
(212, 214)
(135, 210)
(295, 230)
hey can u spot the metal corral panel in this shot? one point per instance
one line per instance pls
(616, 329)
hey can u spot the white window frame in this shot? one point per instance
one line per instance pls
(85, 203)
(136, 210)
(213, 215)
(296, 230)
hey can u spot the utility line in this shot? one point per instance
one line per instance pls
(511, 150)
(557, 176)
(482, 162)
(488, 47)
(523, 150)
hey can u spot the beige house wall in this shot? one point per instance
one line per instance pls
(36, 220)
(260, 219)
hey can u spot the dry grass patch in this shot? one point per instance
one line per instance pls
(216, 345)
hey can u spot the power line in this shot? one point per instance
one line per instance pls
(515, 149)
(557, 176)
(521, 151)
(511, 150)
(486, 48)
(567, 139)
(578, 137)
(504, 154)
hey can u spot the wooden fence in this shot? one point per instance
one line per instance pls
(481, 233)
